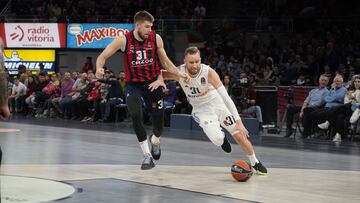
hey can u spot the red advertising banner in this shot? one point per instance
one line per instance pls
(33, 35)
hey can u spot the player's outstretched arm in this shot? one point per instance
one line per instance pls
(166, 62)
(166, 75)
(114, 46)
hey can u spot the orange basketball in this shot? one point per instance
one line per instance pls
(241, 170)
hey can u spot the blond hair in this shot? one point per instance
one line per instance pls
(191, 50)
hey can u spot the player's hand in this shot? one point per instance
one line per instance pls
(156, 84)
(4, 112)
(99, 73)
(241, 129)
(185, 76)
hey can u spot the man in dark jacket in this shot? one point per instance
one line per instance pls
(114, 97)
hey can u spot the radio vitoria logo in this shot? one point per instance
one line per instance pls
(19, 32)
(32, 34)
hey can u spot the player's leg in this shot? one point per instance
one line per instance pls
(209, 122)
(228, 123)
(134, 103)
(155, 105)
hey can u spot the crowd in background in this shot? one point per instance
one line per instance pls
(76, 95)
(241, 58)
(97, 10)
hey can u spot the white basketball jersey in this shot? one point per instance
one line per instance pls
(198, 90)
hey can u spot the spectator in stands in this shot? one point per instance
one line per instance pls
(65, 94)
(354, 96)
(200, 10)
(249, 99)
(227, 84)
(17, 97)
(107, 74)
(275, 77)
(46, 93)
(235, 69)
(78, 86)
(335, 116)
(41, 67)
(334, 98)
(88, 65)
(261, 80)
(94, 103)
(252, 108)
(48, 105)
(301, 80)
(298, 64)
(122, 80)
(83, 103)
(269, 68)
(31, 100)
(75, 75)
(315, 100)
(113, 98)
(289, 75)
(30, 87)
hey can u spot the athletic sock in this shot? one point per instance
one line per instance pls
(253, 159)
(155, 140)
(145, 147)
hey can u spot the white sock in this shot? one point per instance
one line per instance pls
(145, 147)
(253, 159)
(155, 140)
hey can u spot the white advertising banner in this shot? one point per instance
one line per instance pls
(35, 35)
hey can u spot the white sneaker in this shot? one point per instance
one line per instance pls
(337, 137)
(324, 126)
(355, 116)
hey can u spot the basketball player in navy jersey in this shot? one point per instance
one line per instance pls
(4, 108)
(212, 106)
(142, 50)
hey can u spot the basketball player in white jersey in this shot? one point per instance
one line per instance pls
(212, 106)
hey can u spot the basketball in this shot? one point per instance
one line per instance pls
(241, 170)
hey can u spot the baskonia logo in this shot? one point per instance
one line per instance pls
(98, 33)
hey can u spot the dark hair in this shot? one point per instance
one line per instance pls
(143, 16)
(42, 74)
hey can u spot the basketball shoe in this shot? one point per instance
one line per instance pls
(155, 150)
(148, 162)
(226, 146)
(260, 169)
